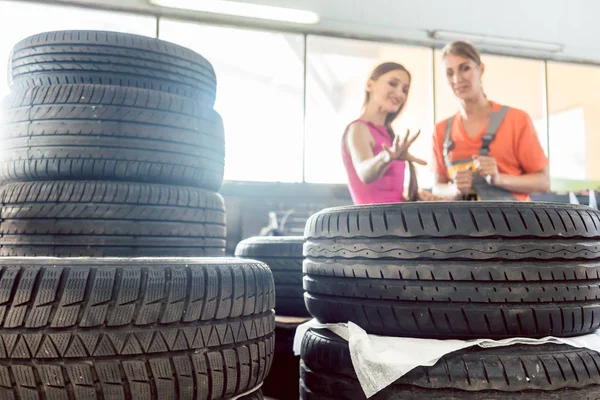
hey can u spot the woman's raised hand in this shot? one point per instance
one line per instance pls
(399, 150)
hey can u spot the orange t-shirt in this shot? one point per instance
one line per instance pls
(516, 147)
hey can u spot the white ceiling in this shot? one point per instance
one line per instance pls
(572, 23)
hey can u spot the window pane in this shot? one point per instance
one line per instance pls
(515, 82)
(19, 20)
(337, 72)
(260, 89)
(573, 99)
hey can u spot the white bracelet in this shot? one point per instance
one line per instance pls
(386, 157)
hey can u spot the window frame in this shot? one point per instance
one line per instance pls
(265, 26)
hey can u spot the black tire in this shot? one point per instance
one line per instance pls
(525, 372)
(83, 218)
(283, 254)
(111, 133)
(134, 328)
(456, 270)
(111, 58)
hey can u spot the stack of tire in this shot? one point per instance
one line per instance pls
(111, 147)
(456, 271)
(283, 255)
(142, 328)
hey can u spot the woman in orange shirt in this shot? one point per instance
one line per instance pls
(486, 151)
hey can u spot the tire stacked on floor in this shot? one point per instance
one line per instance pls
(145, 328)
(456, 271)
(283, 255)
(112, 148)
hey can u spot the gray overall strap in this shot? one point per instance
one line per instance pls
(448, 143)
(485, 191)
(496, 118)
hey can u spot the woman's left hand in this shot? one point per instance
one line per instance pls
(399, 149)
(487, 166)
(426, 195)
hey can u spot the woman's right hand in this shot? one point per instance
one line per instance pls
(399, 149)
(464, 180)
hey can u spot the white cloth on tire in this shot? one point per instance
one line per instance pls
(247, 393)
(381, 360)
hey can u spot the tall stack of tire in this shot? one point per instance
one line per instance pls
(111, 148)
(456, 271)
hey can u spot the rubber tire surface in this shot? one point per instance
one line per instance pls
(516, 372)
(179, 328)
(84, 218)
(111, 58)
(283, 254)
(111, 133)
(456, 270)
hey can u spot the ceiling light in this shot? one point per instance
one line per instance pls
(497, 41)
(240, 9)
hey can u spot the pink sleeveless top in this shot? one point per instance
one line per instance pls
(390, 186)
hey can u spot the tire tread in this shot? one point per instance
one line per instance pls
(283, 255)
(112, 58)
(109, 132)
(476, 372)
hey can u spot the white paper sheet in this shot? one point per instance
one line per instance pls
(381, 360)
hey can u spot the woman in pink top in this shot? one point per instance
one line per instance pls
(374, 157)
